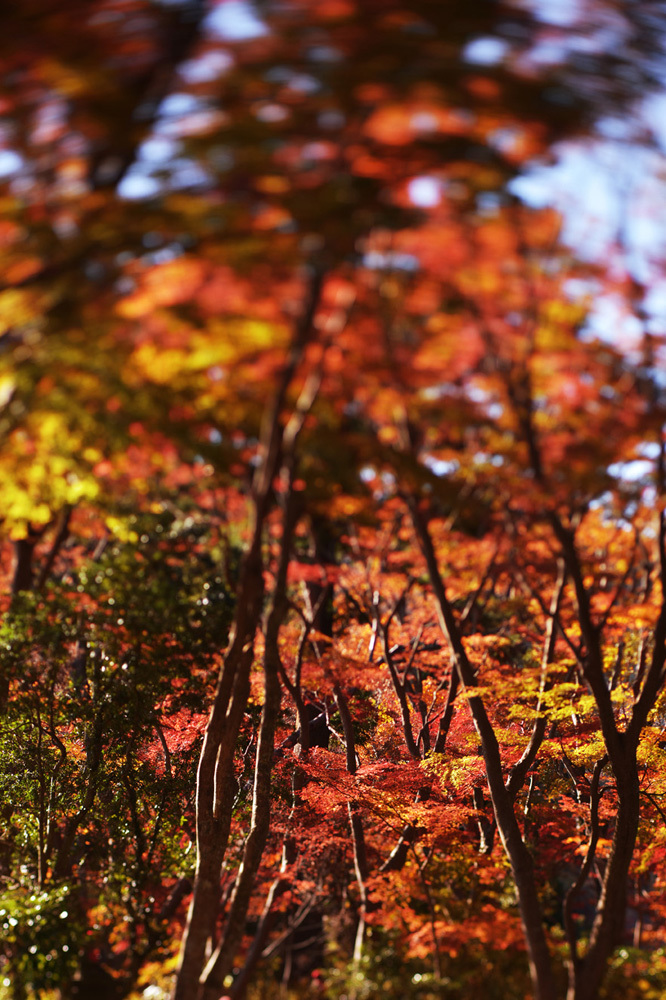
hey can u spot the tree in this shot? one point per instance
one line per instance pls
(317, 442)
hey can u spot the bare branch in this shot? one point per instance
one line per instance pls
(519, 770)
(569, 925)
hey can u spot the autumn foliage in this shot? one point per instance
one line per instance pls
(332, 525)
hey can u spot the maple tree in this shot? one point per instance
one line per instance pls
(334, 540)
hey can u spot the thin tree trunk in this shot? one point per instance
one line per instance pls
(221, 961)
(587, 974)
(519, 857)
(216, 785)
(361, 868)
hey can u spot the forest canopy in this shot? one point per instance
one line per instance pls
(332, 519)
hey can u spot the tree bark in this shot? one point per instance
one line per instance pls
(216, 783)
(512, 839)
(221, 961)
(587, 974)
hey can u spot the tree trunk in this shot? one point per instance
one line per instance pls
(23, 571)
(519, 857)
(221, 962)
(215, 777)
(587, 973)
(216, 783)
